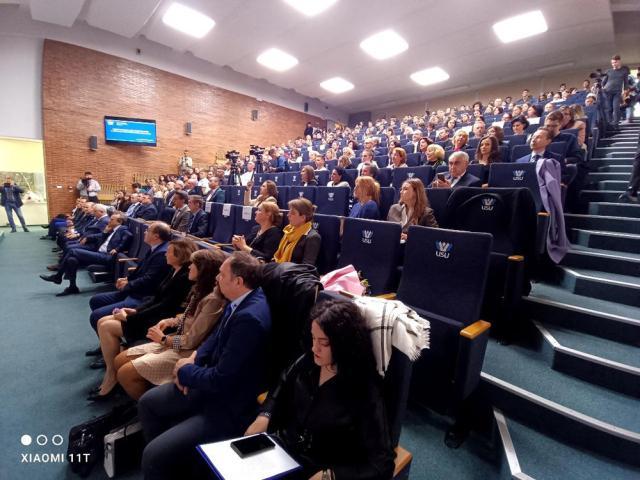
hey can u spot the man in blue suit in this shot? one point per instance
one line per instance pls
(458, 175)
(147, 210)
(215, 193)
(539, 143)
(199, 221)
(94, 226)
(11, 201)
(215, 390)
(101, 249)
(142, 282)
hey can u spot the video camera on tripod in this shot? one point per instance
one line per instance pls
(234, 169)
(258, 152)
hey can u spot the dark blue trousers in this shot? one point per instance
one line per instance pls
(102, 304)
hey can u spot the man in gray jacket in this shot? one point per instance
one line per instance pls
(180, 220)
(614, 82)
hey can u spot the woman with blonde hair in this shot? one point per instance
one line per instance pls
(459, 141)
(143, 366)
(434, 155)
(367, 194)
(300, 242)
(264, 238)
(413, 207)
(268, 193)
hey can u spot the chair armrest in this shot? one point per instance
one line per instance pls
(402, 461)
(387, 296)
(542, 229)
(131, 269)
(471, 350)
(127, 259)
(262, 397)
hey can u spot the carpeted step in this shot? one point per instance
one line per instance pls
(605, 286)
(540, 456)
(618, 143)
(613, 185)
(626, 136)
(517, 380)
(626, 169)
(600, 195)
(596, 360)
(615, 209)
(601, 162)
(621, 242)
(580, 256)
(614, 152)
(602, 176)
(603, 222)
(558, 306)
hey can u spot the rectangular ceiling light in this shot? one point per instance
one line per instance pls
(429, 76)
(311, 7)
(187, 20)
(337, 85)
(276, 59)
(384, 44)
(520, 26)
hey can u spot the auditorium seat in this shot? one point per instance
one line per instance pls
(167, 214)
(413, 159)
(387, 198)
(332, 200)
(328, 226)
(438, 200)
(323, 177)
(244, 219)
(382, 160)
(292, 178)
(291, 193)
(384, 176)
(373, 248)
(424, 173)
(516, 175)
(225, 222)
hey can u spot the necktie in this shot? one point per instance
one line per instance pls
(535, 158)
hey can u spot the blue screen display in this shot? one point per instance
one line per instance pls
(130, 130)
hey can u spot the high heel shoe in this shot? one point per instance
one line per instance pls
(96, 397)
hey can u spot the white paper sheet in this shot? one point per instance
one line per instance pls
(207, 207)
(226, 210)
(246, 213)
(230, 466)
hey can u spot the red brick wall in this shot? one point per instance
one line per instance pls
(81, 86)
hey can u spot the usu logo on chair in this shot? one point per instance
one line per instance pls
(488, 204)
(367, 236)
(330, 196)
(443, 249)
(315, 225)
(410, 174)
(518, 175)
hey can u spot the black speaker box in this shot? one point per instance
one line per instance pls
(187, 128)
(93, 142)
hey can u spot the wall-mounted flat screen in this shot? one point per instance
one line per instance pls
(132, 131)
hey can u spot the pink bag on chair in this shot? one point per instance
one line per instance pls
(345, 278)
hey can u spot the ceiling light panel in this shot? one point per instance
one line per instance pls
(277, 60)
(337, 85)
(383, 45)
(187, 20)
(429, 76)
(311, 8)
(520, 26)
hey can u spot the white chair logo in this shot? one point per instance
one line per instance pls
(300, 194)
(367, 236)
(315, 225)
(443, 249)
(275, 179)
(410, 174)
(488, 204)
(518, 175)
(331, 194)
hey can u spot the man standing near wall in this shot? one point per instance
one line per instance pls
(88, 187)
(11, 201)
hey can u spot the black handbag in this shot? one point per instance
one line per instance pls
(86, 440)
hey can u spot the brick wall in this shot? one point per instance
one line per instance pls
(81, 86)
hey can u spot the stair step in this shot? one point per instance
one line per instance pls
(558, 306)
(540, 456)
(620, 242)
(603, 222)
(621, 143)
(626, 169)
(580, 256)
(615, 152)
(603, 285)
(615, 209)
(600, 195)
(603, 162)
(613, 185)
(602, 176)
(622, 136)
(517, 380)
(595, 360)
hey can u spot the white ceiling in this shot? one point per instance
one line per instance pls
(455, 35)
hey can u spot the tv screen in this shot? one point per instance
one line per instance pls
(132, 131)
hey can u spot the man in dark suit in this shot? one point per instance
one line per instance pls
(199, 220)
(414, 145)
(147, 210)
(215, 193)
(214, 393)
(142, 282)
(192, 187)
(458, 175)
(101, 249)
(11, 201)
(97, 222)
(180, 220)
(539, 143)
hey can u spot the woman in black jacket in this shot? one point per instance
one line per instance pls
(328, 409)
(133, 323)
(264, 238)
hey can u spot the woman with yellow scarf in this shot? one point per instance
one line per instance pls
(300, 243)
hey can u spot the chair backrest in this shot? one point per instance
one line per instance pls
(259, 178)
(373, 247)
(424, 173)
(438, 200)
(167, 214)
(516, 175)
(445, 272)
(244, 219)
(300, 192)
(225, 222)
(277, 178)
(413, 159)
(559, 147)
(323, 177)
(520, 151)
(478, 170)
(387, 198)
(234, 194)
(332, 200)
(352, 173)
(159, 203)
(384, 176)
(292, 178)
(381, 160)
(328, 226)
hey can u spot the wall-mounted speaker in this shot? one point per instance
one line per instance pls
(254, 115)
(306, 106)
(93, 142)
(187, 128)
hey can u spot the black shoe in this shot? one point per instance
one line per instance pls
(13, 230)
(56, 249)
(25, 229)
(46, 237)
(628, 198)
(96, 397)
(98, 364)
(68, 291)
(52, 278)
(94, 353)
